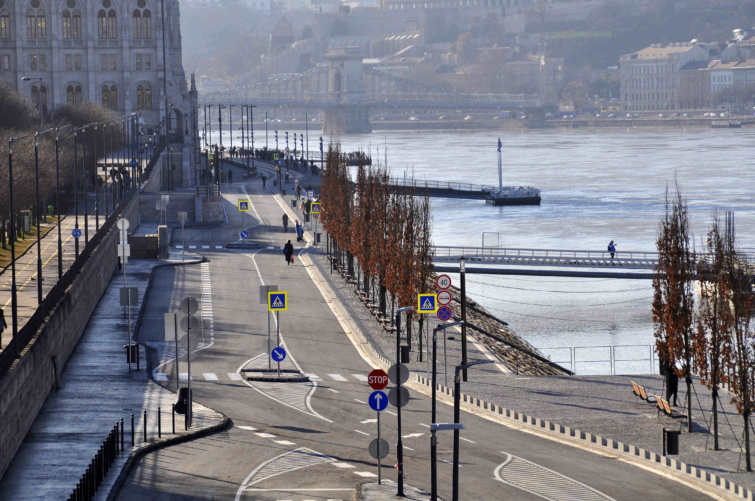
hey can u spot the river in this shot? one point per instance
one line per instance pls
(597, 185)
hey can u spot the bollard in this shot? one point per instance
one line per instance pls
(122, 444)
(173, 418)
(159, 423)
(132, 430)
(145, 425)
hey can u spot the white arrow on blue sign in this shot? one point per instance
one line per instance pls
(378, 400)
(76, 233)
(279, 354)
(244, 234)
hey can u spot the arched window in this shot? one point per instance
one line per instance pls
(144, 97)
(36, 23)
(110, 96)
(107, 22)
(73, 95)
(142, 24)
(4, 24)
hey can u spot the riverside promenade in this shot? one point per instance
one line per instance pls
(94, 394)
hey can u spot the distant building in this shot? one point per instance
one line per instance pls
(650, 77)
(450, 4)
(110, 52)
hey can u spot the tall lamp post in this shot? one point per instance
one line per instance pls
(433, 440)
(39, 95)
(37, 216)
(230, 121)
(462, 262)
(400, 443)
(220, 124)
(57, 203)
(251, 130)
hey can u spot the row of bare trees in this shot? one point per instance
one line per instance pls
(20, 122)
(380, 237)
(712, 337)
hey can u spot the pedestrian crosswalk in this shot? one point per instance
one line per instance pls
(235, 376)
(194, 247)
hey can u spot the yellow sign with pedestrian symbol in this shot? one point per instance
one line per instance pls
(316, 207)
(244, 205)
(427, 303)
(277, 301)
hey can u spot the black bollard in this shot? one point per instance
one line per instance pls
(159, 424)
(132, 430)
(145, 426)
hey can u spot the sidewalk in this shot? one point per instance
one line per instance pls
(96, 391)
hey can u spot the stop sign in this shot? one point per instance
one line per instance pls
(377, 379)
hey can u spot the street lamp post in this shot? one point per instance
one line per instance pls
(400, 443)
(433, 440)
(57, 204)
(39, 95)
(75, 189)
(230, 121)
(457, 411)
(266, 129)
(251, 130)
(220, 124)
(37, 216)
(462, 262)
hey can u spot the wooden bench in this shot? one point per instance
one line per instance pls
(673, 412)
(640, 392)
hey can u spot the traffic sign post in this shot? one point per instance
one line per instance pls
(188, 307)
(243, 207)
(378, 402)
(277, 301)
(279, 354)
(264, 291)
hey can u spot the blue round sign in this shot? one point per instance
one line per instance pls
(378, 400)
(76, 233)
(444, 313)
(244, 234)
(278, 354)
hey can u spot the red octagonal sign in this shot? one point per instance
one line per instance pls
(377, 379)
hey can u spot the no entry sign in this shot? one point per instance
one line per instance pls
(377, 379)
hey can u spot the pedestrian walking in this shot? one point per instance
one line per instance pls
(612, 248)
(285, 223)
(3, 324)
(230, 176)
(264, 181)
(299, 232)
(288, 251)
(222, 176)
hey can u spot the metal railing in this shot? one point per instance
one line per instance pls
(439, 185)
(99, 465)
(498, 252)
(602, 360)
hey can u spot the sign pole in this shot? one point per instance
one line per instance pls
(188, 358)
(269, 349)
(380, 478)
(175, 334)
(278, 336)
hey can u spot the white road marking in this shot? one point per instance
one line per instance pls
(363, 433)
(184, 376)
(391, 413)
(414, 435)
(360, 401)
(313, 377)
(265, 435)
(247, 428)
(467, 440)
(235, 376)
(192, 247)
(284, 442)
(159, 376)
(366, 474)
(408, 448)
(425, 425)
(218, 246)
(337, 377)
(334, 391)
(179, 246)
(360, 377)
(338, 464)
(210, 376)
(366, 421)
(205, 246)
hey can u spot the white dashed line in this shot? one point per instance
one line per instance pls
(265, 435)
(360, 401)
(343, 465)
(467, 440)
(360, 377)
(334, 391)
(210, 376)
(284, 442)
(313, 377)
(366, 474)
(337, 377)
(425, 425)
(235, 376)
(363, 433)
(247, 428)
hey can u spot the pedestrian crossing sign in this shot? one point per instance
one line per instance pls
(277, 301)
(315, 207)
(427, 303)
(244, 205)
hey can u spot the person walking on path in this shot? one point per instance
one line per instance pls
(612, 248)
(230, 176)
(3, 325)
(222, 176)
(288, 251)
(285, 223)
(264, 180)
(299, 232)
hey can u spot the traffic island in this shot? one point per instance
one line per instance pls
(274, 375)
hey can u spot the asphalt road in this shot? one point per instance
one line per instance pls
(306, 441)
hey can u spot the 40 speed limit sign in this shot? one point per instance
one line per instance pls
(443, 282)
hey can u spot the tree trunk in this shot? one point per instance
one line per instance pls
(383, 302)
(688, 380)
(714, 394)
(409, 331)
(746, 416)
(350, 263)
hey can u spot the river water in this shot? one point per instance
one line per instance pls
(597, 185)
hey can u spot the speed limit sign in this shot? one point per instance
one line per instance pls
(443, 282)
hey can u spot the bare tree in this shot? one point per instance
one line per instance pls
(673, 300)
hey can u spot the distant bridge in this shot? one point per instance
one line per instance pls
(344, 89)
